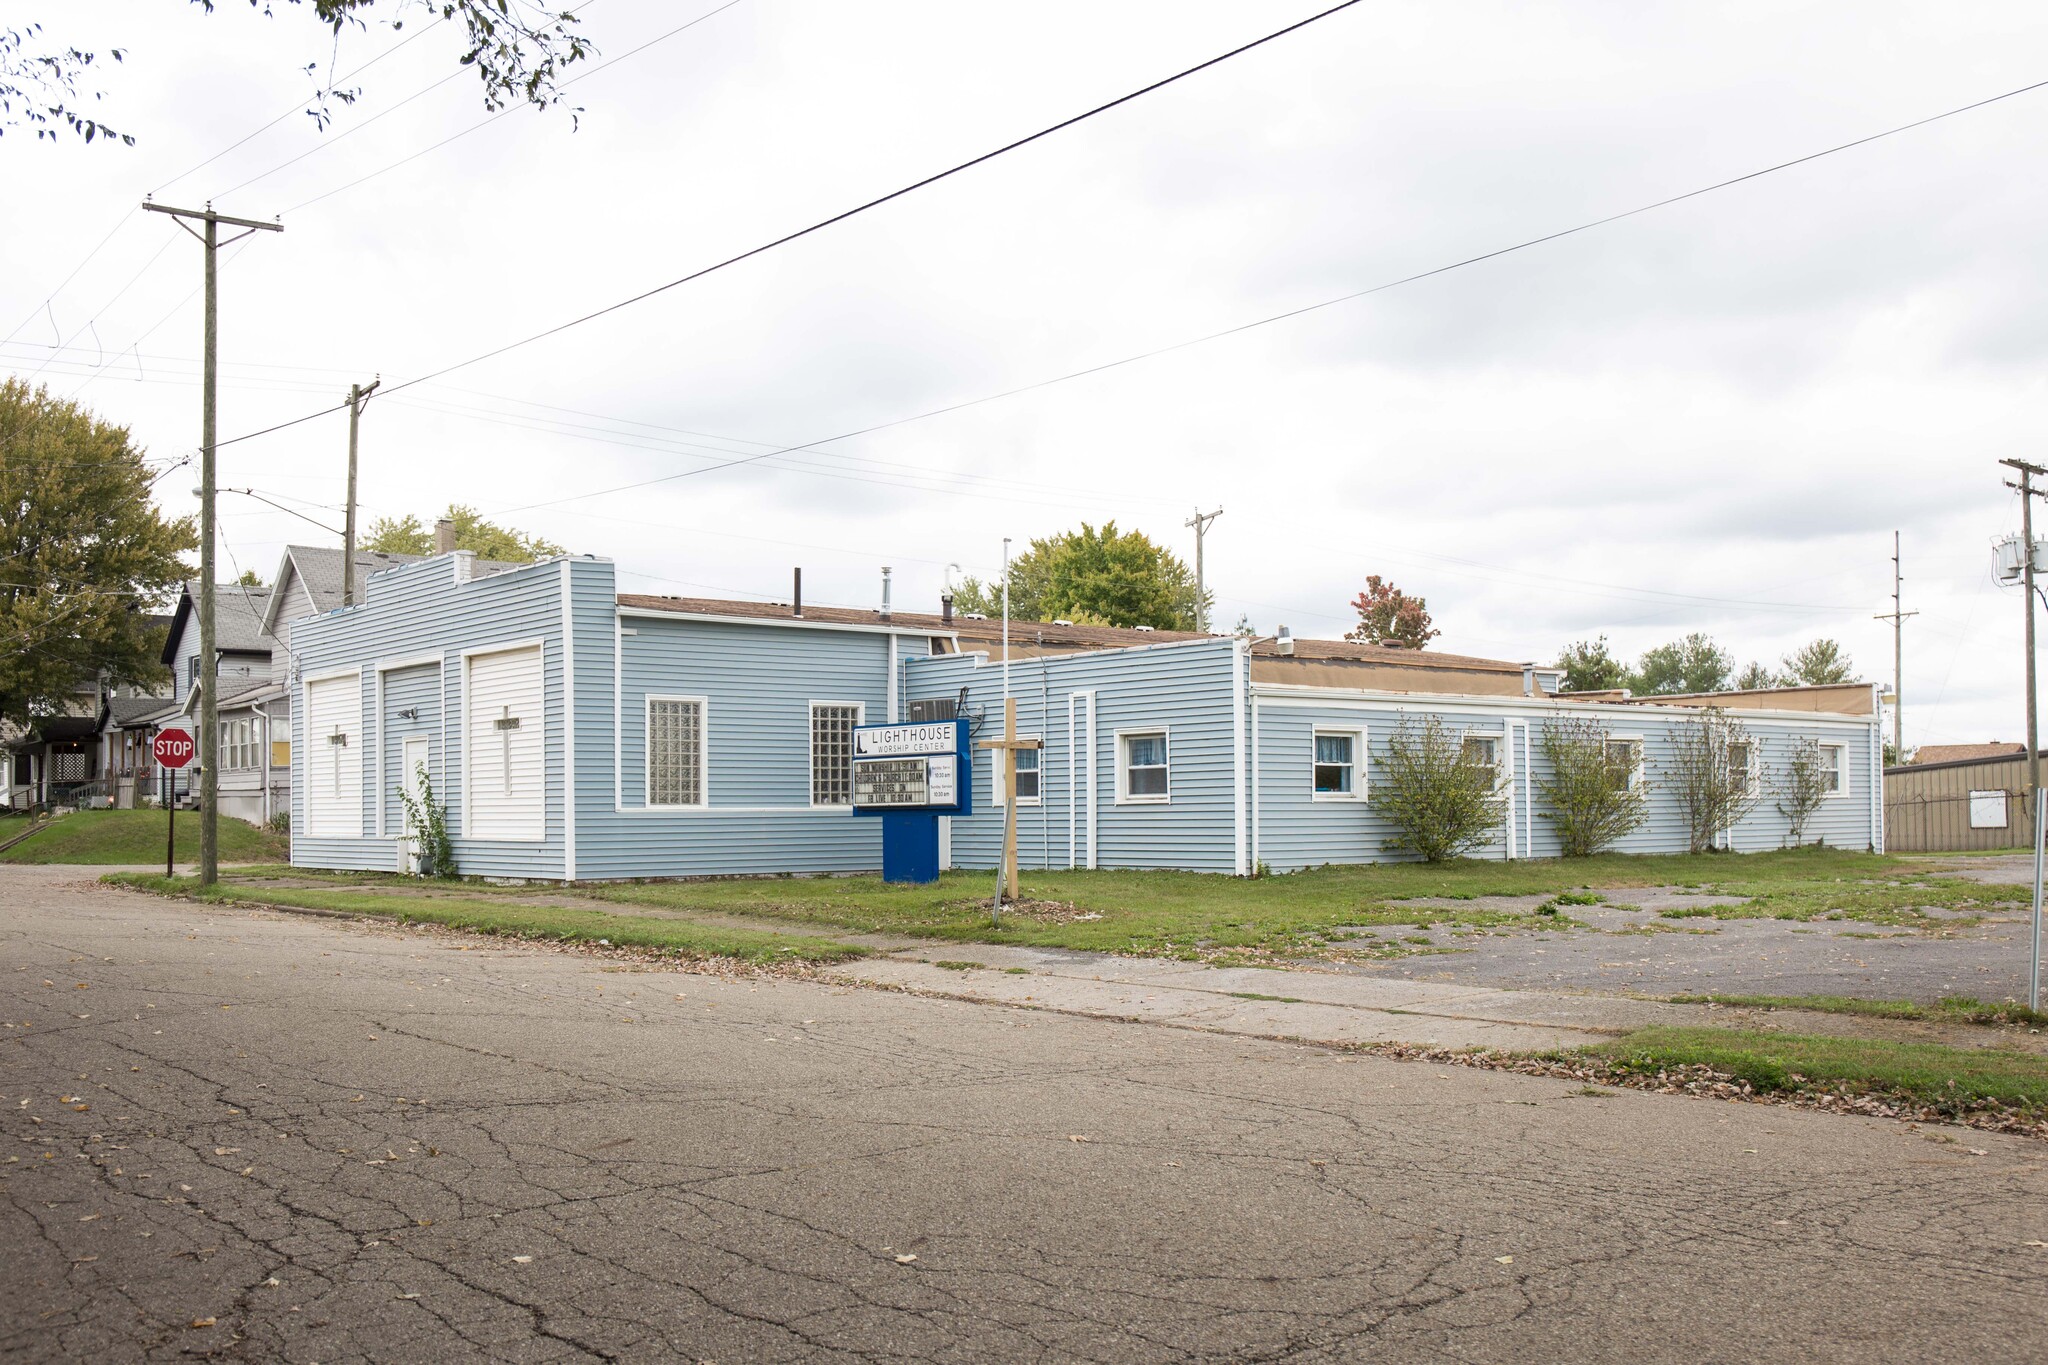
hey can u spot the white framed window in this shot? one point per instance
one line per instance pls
(1483, 750)
(1028, 770)
(832, 725)
(1834, 765)
(1337, 765)
(1742, 764)
(1142, 771)
(676, 757)
(1625, 761)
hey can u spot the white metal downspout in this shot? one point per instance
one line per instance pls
(1877, 768)
(1255, 781)
(264, 766)
(568, 729)
(618, 711)
(1239, 666)
(892, 680)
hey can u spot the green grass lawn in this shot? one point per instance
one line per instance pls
(676, 938)
(137, 836)
(1185, 914)
(1950, 1009)
(1946, 1078)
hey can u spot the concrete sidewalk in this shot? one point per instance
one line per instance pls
(1330, 1007)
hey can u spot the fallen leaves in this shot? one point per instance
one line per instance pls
(522, 1260)
(906, 1258)
(203, 1322)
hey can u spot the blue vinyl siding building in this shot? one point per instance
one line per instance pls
(576, 734)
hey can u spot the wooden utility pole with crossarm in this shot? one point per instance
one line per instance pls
(209, 676)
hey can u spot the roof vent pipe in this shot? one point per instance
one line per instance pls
(885, 592)
(1283, 640)
(796, 593)
(946, 609)
(1528, 680)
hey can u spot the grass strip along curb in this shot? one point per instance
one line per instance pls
(1950, 1009)
(2003, 1092)
(511, 919)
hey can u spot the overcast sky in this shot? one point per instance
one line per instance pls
(1711, 417)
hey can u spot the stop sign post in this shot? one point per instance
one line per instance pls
(172, 749)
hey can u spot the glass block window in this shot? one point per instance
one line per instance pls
(675, 752)
(1336, 764)
(1144, 767)
(832, 752)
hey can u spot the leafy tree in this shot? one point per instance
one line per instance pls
(1754, 677)
(1800, 787)
(1386, 615)
(1439, 796)
(249, 579)
(407, 535)
(1245, 627)
(1095, 577)
(1710, 770)
(1816, 665)
(518, 52)
(1693, 664)
(83, 555)
(1589, 809)
(1589, 667)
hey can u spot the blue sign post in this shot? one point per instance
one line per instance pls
(910, 775)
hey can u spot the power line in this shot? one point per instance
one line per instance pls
(1245, 326)
(119, 223)
(300, 108)
(486, 122)
(836, 218)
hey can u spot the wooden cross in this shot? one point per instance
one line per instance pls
(506, 723)
(1008, 745)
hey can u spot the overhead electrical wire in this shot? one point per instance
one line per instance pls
(822, 223)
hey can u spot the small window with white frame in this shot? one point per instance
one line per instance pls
(1625, 762)
(1142, 773)
(1483, 751)
(1336, 772)
(1028, 770)
(832, 725)
(1742, 765)
(1834, 766)
(675, 751)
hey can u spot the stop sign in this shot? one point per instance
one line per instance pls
(173, 748)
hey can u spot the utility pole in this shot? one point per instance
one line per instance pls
(1898, 617)
(2027, 491)
(1200, 521)
(209, 700)
(357, 396)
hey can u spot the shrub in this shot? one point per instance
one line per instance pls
(426, 819)
(1440, 800)
(1801, 785)
(1711, 772)
(1592, 804)
(281, 822)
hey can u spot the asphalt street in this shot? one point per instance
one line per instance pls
(266, 1137)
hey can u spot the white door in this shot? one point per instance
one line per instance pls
(503, 749)
(413, 754)
(334, 757)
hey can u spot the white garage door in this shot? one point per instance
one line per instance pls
(334, 757)
(504, 752)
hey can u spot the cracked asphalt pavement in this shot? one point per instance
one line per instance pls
(265, 1137)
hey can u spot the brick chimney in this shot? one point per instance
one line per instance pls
(444, 536)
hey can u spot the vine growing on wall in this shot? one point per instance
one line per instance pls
(426, 819)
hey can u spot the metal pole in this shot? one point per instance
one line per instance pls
(1898, 653)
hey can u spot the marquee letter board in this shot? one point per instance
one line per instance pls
(919, 767)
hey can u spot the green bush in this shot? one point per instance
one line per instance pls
(1441, 800)
(1592, 804)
